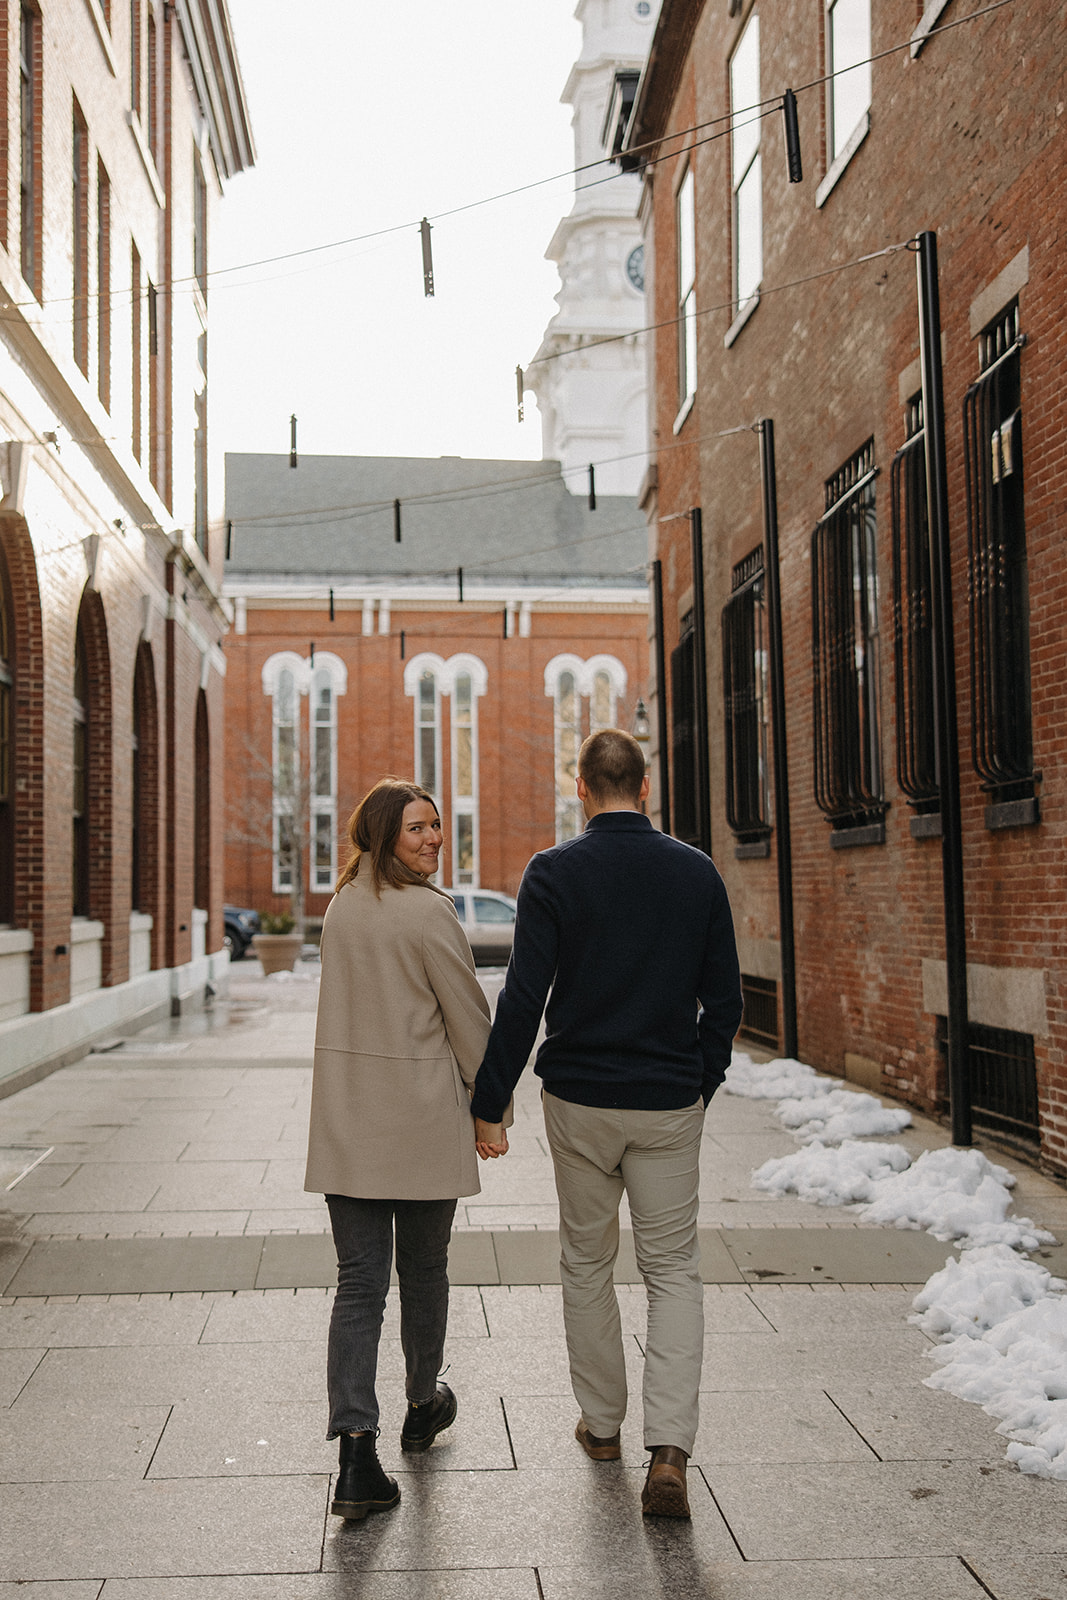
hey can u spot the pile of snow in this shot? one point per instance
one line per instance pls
(813, 1106)
(955, 1194)
(841, 1114)
(832, 1177)
(773, 1080)
(1004, 1321)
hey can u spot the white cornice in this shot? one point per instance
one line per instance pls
(476, 595)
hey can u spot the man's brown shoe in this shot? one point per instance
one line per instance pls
(599, 1449)
(664, 1492)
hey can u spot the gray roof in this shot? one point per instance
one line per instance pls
(332, 516)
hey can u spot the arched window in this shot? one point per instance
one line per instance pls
(464, 763)
(80, 796)
(7, 748)
(285, 765)
(463, 678)
(324, 780)
(427, 731)
(304, 788)
(201, 807)
(568, 680)
(568, 737)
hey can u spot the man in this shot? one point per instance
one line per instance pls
(625, 932)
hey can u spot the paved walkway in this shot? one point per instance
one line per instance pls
(165, 1296)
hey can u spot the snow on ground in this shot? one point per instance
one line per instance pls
(1002, 1319)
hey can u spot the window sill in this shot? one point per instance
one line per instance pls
(927, 825)
(687, 405)
(854, 838)
(103, 33)
(754, 850)
(134, 123)
(739, 321)
(1013, 814)
(931, 14)
(856, 138)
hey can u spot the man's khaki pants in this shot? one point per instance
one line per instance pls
(654, 1157)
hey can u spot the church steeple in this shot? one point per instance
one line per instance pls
(593, 399)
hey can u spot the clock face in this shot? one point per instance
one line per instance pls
(635, 268)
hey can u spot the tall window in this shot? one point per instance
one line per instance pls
(463, 678)
(199, 226)
(153, 90)
(848, 763)
(913, 659)
(685, 211)
(568, 738)
(571, 682)
(464, 767)
(103, 286)
(80, 787)
(136, 7)
(1002, 739)
(136, 357)
(323, 780)
(744, 673)
(155, 391)
(285, 765)
(201, 807)
(7, 763)
(747, 173)
(427, 731)
(848, 25)
(80, 237)
(30, 152)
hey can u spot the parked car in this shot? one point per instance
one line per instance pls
(488, 919)
(239, 926)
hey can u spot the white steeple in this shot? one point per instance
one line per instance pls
(593, 400)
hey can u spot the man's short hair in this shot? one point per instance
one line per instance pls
(612, 765)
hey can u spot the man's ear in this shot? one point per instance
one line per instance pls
(646, 784)
(582, 788)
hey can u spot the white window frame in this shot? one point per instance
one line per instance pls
(685, 235)
(446, 675)
(585, 673)
(746, 167)
(848, 88)
(304, 677)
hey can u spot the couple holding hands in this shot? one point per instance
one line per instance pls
(627, 935)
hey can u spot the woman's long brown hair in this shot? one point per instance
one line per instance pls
(373, 829)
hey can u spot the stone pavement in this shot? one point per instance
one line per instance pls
(165, 1296)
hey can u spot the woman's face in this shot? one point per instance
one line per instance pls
(418, 844)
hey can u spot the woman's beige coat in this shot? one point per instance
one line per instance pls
(402, 1027)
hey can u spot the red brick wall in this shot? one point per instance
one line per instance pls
(959, 144)
(375, 734)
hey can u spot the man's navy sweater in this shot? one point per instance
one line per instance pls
(629, 929)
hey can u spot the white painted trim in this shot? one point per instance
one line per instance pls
(855, 139)
(927, 23)
(739, 321)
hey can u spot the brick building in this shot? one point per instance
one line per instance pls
(910, 119)
(120, 124)
(458, 621)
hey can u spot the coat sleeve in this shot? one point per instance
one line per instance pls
(450, 970)
(521, 1003)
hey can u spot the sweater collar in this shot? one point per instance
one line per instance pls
(622, 820)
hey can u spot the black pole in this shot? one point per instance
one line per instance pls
(783, 833)
(696, 530)
(292, 440)
(944, 688)
(661, 698)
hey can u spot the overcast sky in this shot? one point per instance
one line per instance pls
(370, 117)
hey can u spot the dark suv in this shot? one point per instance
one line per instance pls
(239, 926)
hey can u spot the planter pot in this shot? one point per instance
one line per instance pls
(277, 952)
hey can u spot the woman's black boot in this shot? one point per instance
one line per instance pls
(361, 1485)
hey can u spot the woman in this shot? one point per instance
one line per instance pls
(402, 1025)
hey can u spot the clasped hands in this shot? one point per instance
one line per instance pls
(490, 1139)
